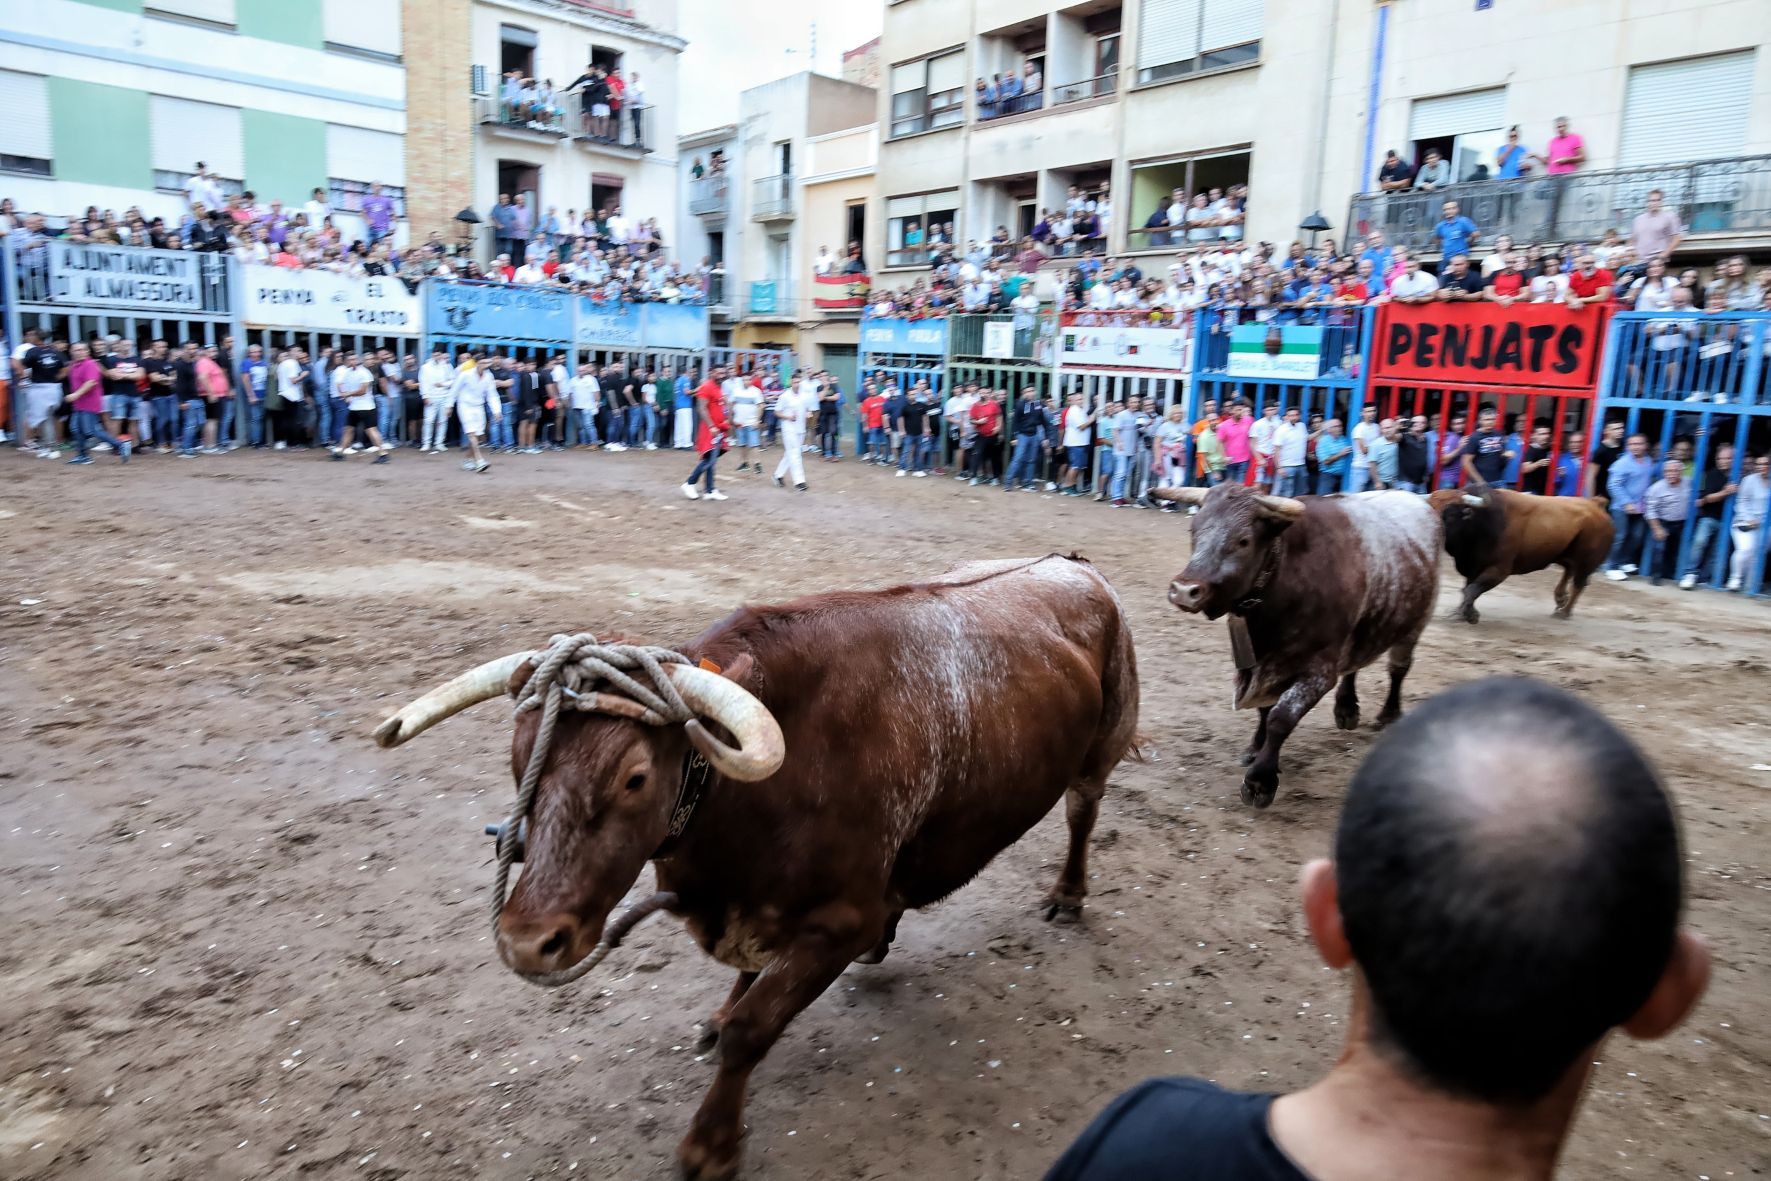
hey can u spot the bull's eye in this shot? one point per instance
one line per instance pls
(1242, 543)
(636, 782)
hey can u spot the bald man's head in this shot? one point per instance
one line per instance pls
(1509, 881)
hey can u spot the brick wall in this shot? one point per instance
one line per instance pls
(439, 110)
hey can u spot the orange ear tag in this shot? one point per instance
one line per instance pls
(710, 666)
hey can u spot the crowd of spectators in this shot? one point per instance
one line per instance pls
(607, 105)
(601, 253)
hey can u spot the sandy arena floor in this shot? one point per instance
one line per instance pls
(240, 941)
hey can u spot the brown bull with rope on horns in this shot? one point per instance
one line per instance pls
(1316, 588)
(1493, 534)
(879, 748)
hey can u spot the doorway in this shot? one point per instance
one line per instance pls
(856, 229)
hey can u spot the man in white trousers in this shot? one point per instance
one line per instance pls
(792, 411)
(683, 436)
(436, 385)
(475, 397)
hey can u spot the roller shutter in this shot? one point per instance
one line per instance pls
(1456, 114)
(1695, 109)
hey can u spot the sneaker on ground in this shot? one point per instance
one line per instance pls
(801, 488)
(902, 473)
(101, 446)
(48, 453)
(689, 491)
(81, 459)
(651, 446)
(482, 466)
(1628, 568)
(1687, 582)
(467, 465)
(384, 457)
(280, 446)
(779, 482)
(338, 457)
(716, 495)
(919, 475)
(1616, 575)
(1733, 584)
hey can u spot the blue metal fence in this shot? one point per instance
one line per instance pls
(1339, 387)
(1695, 383)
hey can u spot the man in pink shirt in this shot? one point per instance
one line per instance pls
(217, 393)
(87, 400)
(1233, 435)
(1566, 152)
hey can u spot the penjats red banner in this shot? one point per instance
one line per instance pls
(1521, 344)
(840, 291)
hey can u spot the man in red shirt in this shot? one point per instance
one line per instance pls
(873, 418)
(1506, 284)
(986, 416)
(710, 434)
(1590, 283)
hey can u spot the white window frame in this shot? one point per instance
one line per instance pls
(1206, 57)
(941, 206)
(926, 111)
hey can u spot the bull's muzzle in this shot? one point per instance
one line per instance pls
(1188, 596)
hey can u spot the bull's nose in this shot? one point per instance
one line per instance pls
(542, 945)
(1188, 596)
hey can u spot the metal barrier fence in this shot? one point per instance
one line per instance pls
(1696, 383)
(1327, 378)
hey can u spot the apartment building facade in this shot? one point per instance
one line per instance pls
(114, 102)
(1295, 99)
(792, 175)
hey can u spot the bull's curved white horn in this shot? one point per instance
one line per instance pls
(761, 749)
(1180, 495)
(1282, 506)
(469, 689)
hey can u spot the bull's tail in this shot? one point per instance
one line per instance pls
(1141, 750)
(1602, 501)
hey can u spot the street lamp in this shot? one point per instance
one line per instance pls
(1316, 224)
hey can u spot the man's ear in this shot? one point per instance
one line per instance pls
(1322, 913)
(1679, 989)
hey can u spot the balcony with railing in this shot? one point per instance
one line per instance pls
(627, 131)
(771, 198)
(709, 197)
(1724, 204)
(523, 120)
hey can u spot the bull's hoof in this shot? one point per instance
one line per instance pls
(1259, 794)
(708, 1039)
(1470, 615)
(1347, 719)
(1385, 718)
(1561, 613)
(699, 1162)
(875, 954)
(1063, 911)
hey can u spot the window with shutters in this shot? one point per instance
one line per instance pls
(362, 30)
(26, 141)
(1694, 109)
(357, 157)
(917, 226)
(928, 93)
(1181, 37)
(219, 13)
(185, 135)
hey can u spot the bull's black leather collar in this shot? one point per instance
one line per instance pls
(697, 773)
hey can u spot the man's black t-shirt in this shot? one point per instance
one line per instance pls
(124, 386)
(1412, 460)
(1469, 282)
(1178, 1129)
(1490, 451)
(1714, 481)
(151, 366)
(47, 365)
(184, 380)
(915, 414)
(1397, 171)
(1604, 455)
(1537, 481)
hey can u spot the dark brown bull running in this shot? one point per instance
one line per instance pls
(1493, 534)
(926, 728)
(1317, 588)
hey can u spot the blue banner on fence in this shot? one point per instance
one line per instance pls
(891, 335)
(498, 311)
(608, 325)
(675, 327)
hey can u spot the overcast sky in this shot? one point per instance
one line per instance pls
(733, 47)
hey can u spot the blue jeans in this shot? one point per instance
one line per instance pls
(915, 454)
(340, 415)
(587, 425)
(705, 468)
(648, 424)
(86, 424)
(1703, 533)
(165, 419)
(224, 426)
(499, 430)
(1121, 472)
(1291, 481)
(1236, 473)
(1023, 468)
(1327, 483)
(192, 425)
(387, 416)
(1631, 529)
(1409, 486)
(255, 421)
(876, 444)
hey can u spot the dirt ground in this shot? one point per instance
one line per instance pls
(241, 941)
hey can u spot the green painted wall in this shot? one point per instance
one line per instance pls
(285, 155)
(293, 22)
(100, 134)
(119, 5)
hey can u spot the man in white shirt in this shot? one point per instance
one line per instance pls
(974, 297)
(1290, 444)
(317, 210)
(619, 228)
(1263, 443)
(291, 377)
(1366, 433)
(1078, 437)
(956, 418)
(436, 385)
(475, 397)
(559, 388)
(1414, 285)
(793, 409)
(1100, 296)
(355, 385)
(530, 272)
(744, 403)
(587, 396)
(825, 262)
(203, 189)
